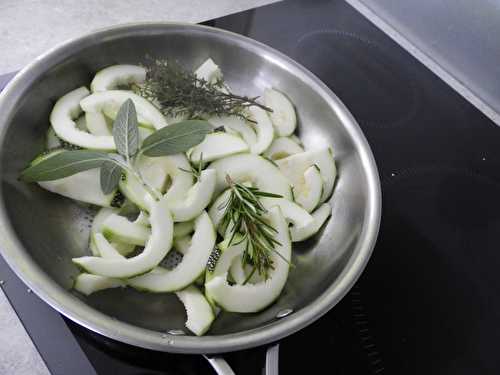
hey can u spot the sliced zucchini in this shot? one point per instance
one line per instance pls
(66, 109)
(242, 273)
(217, 210)
(320, 216)
(144, 133)
(142, 219)
(191, 267)
(283, 115)
(182, 244)
(255, 297)
(263, 128)
(183, 229)
(83, 186)
(157, 247)
(117, 75)
(96, 123)
(292, 212)
(209, 71)
(297, 140)
(123, 248)
(81, 123)
(253, 168)
(308, 192)
(281, 148)
(105, 249)
(217, 145)
(157, 171)
(186, 205)
(110, 101)
(236, 125)
(87, 283)
(199, 312)
(222, 256)
(294, 167)
(119, 228)
(52, 141)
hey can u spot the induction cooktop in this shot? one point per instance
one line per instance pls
(427, 301)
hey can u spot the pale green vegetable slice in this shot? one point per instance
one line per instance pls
(281, 148)
(96, 123)
(294, 167)
(199, 312)
(66, 109)
(117, 75)
(156, 248)
(244, 273)
(217, 145)
(110, 101)
(292, 212)
(320, 216)
(105, 249)
(209, 71)
(251, 168)
(255, 297)
(83, 186)
(186, 205)
(236, 125)
(189, 269)
(263, 128)
(283, 115)
(51, 139)
(119, 228)
(308, 194)
(87, 283)
(100, 217)
(157, 171)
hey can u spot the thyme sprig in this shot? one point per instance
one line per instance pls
(180, 93)
(244, 215)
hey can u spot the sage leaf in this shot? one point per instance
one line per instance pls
(63, 164)
(176, 138)
(111, 172)
(125, 130)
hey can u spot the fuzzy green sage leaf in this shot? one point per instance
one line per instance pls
(126, 131)
(110, 175)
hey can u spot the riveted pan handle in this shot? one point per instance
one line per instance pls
(221, 367)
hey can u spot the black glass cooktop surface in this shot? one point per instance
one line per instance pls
(427, 302)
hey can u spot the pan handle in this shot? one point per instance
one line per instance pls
(221, 367)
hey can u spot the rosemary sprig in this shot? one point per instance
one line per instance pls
(180, 93)
(194, 169)
(243, 215)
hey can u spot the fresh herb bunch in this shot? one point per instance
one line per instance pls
(181, 93)
(244, 215)
(172, 139)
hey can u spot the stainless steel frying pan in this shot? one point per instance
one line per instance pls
(41, 232)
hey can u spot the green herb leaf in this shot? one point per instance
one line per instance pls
(63, 164)
(111, 172)
(176, 138)
(125, 130)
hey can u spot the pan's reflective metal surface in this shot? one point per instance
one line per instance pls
(41, 232)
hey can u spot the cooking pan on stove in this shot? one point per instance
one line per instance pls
(41, 232)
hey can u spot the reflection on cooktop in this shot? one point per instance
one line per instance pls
(374, 84)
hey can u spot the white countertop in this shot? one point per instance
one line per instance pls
(30, 27)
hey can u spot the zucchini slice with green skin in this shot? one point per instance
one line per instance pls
(282, 147)
(117, 75)
(255, 297)
(83, 186)
(283, 115)
(209, 71)
(308, 194)
(186, 206)
(253, 168)
(292, 212)
(244, 272)
(237, 126)
(105, 249)
(217, 210)
(263, 128)
(199, 312)
(87, 283)
(96, 123)
(215, 146)
(110, 101)
(182, 244)
(123, 248)
(157, 247)
(294, 167)
(320, 216)
(183, 229)
(156, 171)
(193, 263)
(120, 229)
(66, 109)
